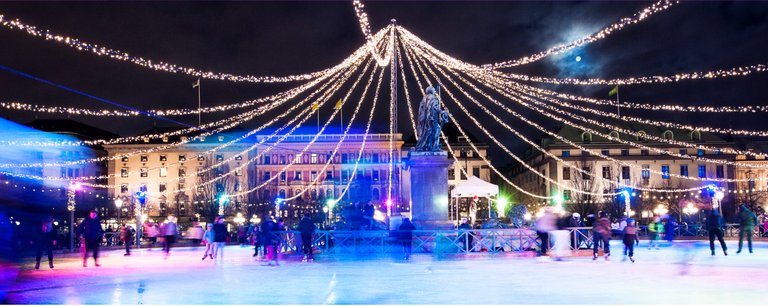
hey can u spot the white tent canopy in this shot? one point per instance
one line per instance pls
(475, 187)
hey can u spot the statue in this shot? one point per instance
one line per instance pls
(431, 120)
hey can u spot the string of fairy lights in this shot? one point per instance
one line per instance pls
(365, 26)
(119, 55)
(183, 141)
(605, 32)
(546, 152)
(529, 90)
(424, 61)
(657, 79)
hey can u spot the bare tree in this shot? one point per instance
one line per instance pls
(208, 195)
(582, 203)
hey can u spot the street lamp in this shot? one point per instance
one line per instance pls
(660, 210)
(73, 188)
(119, 205)
(239, 219)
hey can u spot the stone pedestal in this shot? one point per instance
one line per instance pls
(429, 189)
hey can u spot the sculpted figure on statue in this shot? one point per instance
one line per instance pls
(431, 120)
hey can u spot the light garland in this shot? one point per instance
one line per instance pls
(365, 26)
(341, 140)
(283, 137)
(362, 145)
(160, 65)
(458, 126)
(410, 111)
(660, 107)
(546, 152)
(182, 142)
(657, 79)
(513, 84)
(617, 129)
(238, 119)
(637, 17)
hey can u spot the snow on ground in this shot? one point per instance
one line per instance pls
(656, 278)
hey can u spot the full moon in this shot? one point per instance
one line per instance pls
(578, 58)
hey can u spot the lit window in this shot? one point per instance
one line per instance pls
(163, 171)
(124, 172)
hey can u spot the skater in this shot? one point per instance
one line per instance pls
(545, 224)
(270, 241)
(655, 229)
(669, 229)
(368, 212)
(307, 229)
(406, 235)
(578, 234)
(601, 232)
(747, 221)
(257, 245)
(91, 231)
(219, 238)
(209, 239)
(46, 239)
(715, 224)
(195, 233)
(127, 236)
(630, 238)
(169, 234)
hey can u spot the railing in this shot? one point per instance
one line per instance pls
(489, 241)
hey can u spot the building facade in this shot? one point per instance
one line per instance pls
(649, 169)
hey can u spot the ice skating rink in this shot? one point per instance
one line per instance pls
(684, 274)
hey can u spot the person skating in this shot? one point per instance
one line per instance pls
(269, 237)
(169, 233)
(209, 238)
(747, 221)
(127, 236)
(406, 235)
(630, 238)
(46, 239)
(307, 229)
(655, 229)
(601, 232)
(715, 224)
(219, 238)
(545, 224)
(91, 231)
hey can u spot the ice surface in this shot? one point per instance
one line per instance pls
(656, 278)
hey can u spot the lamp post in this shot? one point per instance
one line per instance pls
(71, 192)
(119, 205)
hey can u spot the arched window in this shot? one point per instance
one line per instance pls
(314, 194)
(586, 137)
(642, 136)
(329, 193)
(614, 134)
(282, 193)
(375, 194)
(668, 135)
(695, 136)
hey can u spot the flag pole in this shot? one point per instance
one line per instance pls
(618, 105)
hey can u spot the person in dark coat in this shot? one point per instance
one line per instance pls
(91, 230)
(747, 221)
(406, 235)
(601, 232)
(219, 238)
(127, 235)
(368, 212)
(46, 239)
(307, 229)
(715, 224)
(669, 228)
(269, 240)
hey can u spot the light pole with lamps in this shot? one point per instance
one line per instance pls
(119, 205)
(71, 192)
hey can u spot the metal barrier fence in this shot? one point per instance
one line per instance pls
(491, 241)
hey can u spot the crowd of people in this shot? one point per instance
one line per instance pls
(267, 241)
(661, 227)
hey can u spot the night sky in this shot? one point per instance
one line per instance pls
(282, 38)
